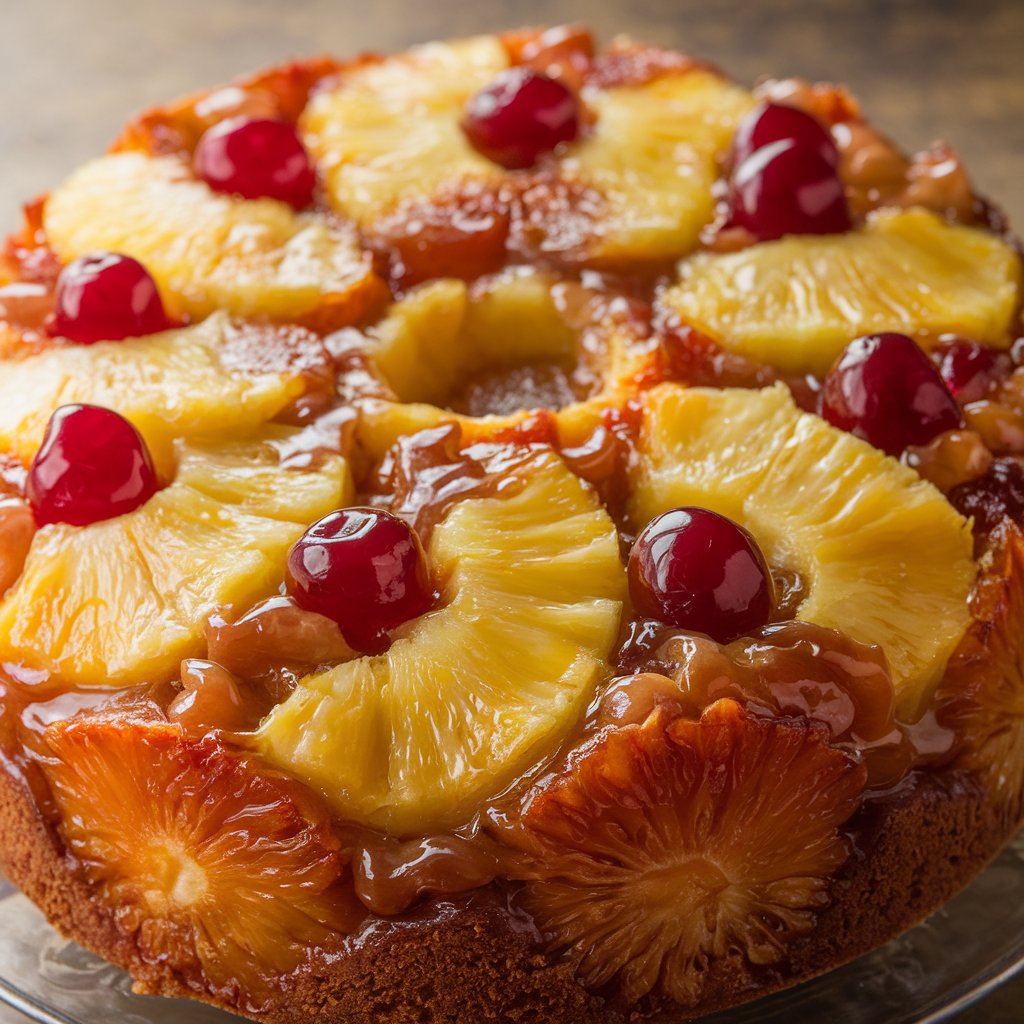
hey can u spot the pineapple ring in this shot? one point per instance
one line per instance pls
(123, 601)
(796, 303)
(664, 845)
(635, 188)
(475, 693)
(440, 346)
(389, 131)
(983, 689)
(883, 556)
(179, 383)
(155, 820)
(207, 251)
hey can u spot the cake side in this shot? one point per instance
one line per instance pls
(491, 965)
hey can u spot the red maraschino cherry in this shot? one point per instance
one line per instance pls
(970, 369)
(106, 296)
(785, 188)
(884, 389)
(365, 569)
(256, 158)
(92, 465)
(779, 122)
(697, 570)
(521, 115)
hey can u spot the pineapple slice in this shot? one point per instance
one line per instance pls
(669, 845)
(416, 346)
(226, 872)
(882, 554)
(494, 350)
(125, 600)
(652, 158)
(480, 690)
(637, 186)
(280, 92)
(982, 695)
(175, 384)
(797, 302)
(207, 251)
(389, 132)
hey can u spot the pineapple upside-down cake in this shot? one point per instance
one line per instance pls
(511, 531)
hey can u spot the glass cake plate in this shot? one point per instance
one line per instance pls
(928, 975)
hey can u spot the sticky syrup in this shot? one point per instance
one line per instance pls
(255, 656)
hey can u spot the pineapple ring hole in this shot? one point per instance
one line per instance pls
(516, 341)
(178, 879)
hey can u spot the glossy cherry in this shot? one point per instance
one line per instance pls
(991, 499)
(92, 465)
(884, 389)
(256, 158)
(521, 115)
(969, 369)
(365, 569)
(105, 296)
(696, 570)
(787, 189)
(779, 122)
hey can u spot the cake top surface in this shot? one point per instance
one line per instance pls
(508, 447)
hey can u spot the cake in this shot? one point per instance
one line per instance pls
(509, 531)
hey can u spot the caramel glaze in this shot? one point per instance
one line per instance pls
(253, 659)
(790, 668)
(875, 172)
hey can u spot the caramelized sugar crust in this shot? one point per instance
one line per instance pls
(719, 822)
(488, 956)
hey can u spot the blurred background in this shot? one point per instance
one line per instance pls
(71, 71)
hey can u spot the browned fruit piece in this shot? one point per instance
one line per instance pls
(669, 845)
(565, 52)
(790, 669)
(208, 251)
(280, 92)
(459, 232)
(983, 690)
(874, 170)
(226, 872)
